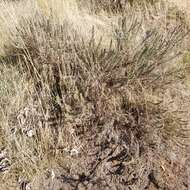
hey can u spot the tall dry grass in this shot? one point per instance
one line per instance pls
(83, 75)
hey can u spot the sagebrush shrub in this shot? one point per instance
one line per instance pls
(96, 98)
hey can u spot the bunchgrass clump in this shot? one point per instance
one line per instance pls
(94, 113)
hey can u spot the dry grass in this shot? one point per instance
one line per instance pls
(89, 96)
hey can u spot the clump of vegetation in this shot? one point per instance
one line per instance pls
(92, 115)
(117, 6)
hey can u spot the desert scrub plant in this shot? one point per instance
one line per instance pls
(116, 6)
(93, 108)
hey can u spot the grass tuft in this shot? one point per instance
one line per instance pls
(87, 107)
